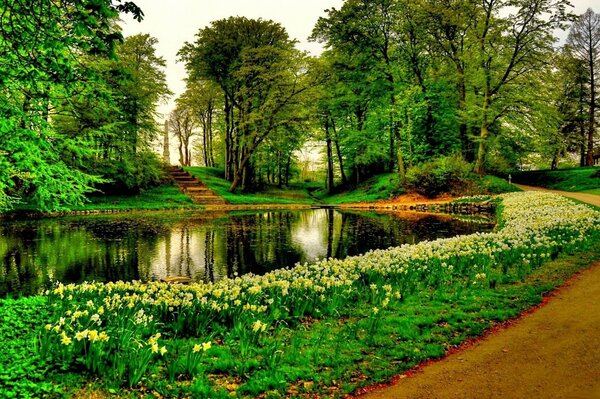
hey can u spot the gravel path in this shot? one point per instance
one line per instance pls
(553, 352)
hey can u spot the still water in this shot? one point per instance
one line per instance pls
(205, 246)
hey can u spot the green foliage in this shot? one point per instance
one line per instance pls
(263, 78)
(69, 108)
(450, 174)
(574, 179)
(24, 373)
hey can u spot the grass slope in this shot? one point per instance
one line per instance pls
(213, 178)
(585, 179)
(157, 198)
(384, 186)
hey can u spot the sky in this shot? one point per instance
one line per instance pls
(173, 22)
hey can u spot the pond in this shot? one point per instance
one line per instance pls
(205, 246)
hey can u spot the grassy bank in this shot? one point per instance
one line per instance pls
(380, 187)
(574, 179)
(213, 178)
(157, 198)
(322, 329)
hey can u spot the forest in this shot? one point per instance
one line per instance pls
(407, 87)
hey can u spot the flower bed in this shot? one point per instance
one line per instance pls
(125, 331)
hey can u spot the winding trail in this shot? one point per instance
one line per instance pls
(553, 352)
(584, 197)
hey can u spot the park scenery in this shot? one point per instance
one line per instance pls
(282, 199)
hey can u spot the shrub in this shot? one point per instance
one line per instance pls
(451, 174)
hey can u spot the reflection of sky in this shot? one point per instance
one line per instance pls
(309, 234)
(184, 252)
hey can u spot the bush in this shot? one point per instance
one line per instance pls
(132, 175)
(451, 174)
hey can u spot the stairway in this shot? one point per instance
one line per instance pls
(194, 188)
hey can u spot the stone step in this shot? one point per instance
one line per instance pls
(190, 183)
(185, 180)
(196, 189)
(217, 201)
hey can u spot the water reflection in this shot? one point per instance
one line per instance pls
(204, 246)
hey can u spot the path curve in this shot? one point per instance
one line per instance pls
(553, 352)
(584, 197)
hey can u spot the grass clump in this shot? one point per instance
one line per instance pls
(586, 179)
(452, 175)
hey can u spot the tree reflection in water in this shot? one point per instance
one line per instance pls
(204, 246)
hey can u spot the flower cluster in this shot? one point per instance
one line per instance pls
(533, 228)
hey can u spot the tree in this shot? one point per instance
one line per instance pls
(182, 123)
(204, 99)
(115, 111)
(145, 86)
(366, 32)
(510, 50)
(584, 43)
(41, 45)
(261, 74)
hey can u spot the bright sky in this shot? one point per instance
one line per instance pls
(174, 22)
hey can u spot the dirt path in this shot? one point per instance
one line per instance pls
(589, 198)
(553, 352)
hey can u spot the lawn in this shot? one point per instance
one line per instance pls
(585, 179)
(156, 198)
(314, 330)
(213, 178)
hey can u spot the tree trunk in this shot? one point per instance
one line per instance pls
(181, 157)
(228, 139)
(279, 169)
(481, 153)
(330, 182)
(467, 149)
(288, 165)
(592, 120)
(339, 154)
(211, 155)
(166, 149)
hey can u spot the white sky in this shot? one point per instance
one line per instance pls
(174, 22)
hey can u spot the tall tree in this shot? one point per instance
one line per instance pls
(367, 32)
(510, 49)
(41, 45)
(183, 123)
(584, 43)
(145, 87)
(204, 99)
(261, 74)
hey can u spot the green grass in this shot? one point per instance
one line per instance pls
(384, 186)
(163, 197)
(213, 178)
(157, 198)
(494, 185)
(585, 179)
